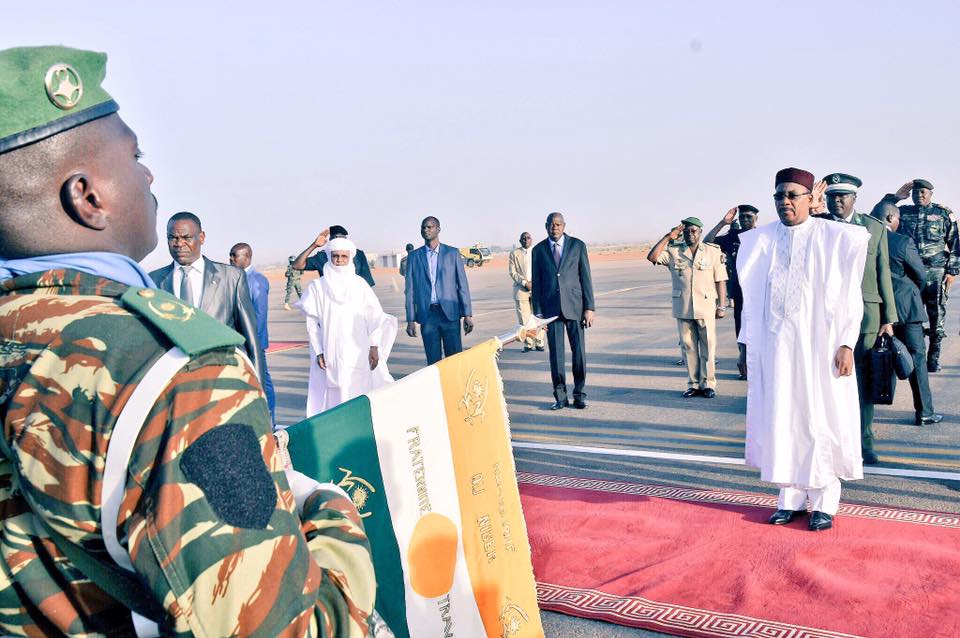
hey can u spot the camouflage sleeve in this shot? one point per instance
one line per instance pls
(952, 242)
(212, 526)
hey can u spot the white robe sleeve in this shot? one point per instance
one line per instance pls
(753, 277)
(373, 317)
(310, 307)
(850, 313)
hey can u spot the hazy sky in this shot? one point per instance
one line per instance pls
(271, 120)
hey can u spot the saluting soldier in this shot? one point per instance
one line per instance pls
(699, 299)
(293, 282)
(138, 471)
(879, 303)
(740, 219)
(934, 229)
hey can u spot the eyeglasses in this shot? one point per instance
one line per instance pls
(779, 197)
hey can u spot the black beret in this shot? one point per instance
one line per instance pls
(747, 208)
(922, 183)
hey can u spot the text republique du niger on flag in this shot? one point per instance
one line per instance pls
(427, 460)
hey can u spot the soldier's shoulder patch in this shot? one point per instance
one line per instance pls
(712, 245)
(188, 328)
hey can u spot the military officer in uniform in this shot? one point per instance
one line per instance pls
(293, 282)
(699, 299)
(934, 229)
(879, 303)
(729, 243)
(141, 488)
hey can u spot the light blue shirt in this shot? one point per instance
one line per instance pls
(433, 261)
(554, 245)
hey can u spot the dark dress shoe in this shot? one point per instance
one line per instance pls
(539, 348)
(690, 392)
(820, 521)
(930, 420)
(782, 517)
(933, 366)
(559, 405)
(709, 393)
(678, 362)
(869, 457)
(527, 348)
(579, 404)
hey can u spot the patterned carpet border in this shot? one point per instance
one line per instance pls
(935, 519)
(283, 346)
(674, 619)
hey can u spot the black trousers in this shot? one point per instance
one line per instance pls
(737, 311)
(574, 330)
(441, 336)
(911, 334)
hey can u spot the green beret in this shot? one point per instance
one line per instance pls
(922, 183)
(692, 221)
(48, 90)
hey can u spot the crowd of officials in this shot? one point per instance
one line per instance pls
(912, 259)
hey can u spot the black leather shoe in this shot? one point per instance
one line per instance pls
(559, 405)
(933, 366)
(930, 420)
(579, 404)
(869, 457)
(690, 392)
(782, 517)
(539, 348)
(527, 348)
(709, 393)
(678, 362)
(820, 521)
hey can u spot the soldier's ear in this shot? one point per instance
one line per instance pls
(81, 201)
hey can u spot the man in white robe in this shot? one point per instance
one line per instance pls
(350, 335)
(801, 321)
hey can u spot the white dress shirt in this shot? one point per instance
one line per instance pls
(195, 272)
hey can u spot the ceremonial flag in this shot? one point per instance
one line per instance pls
(427, 460)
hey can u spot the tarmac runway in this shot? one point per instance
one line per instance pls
(636, 426)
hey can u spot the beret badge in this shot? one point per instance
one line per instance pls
(64, 86)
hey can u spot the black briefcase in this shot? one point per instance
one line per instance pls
(880, 381)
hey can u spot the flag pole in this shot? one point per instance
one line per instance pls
(533, 326)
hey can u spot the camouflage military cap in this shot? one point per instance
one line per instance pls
(922, 183)
(48, 90)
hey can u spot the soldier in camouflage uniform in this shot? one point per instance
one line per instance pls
(934, 229)
(293, 282)
(196, 529)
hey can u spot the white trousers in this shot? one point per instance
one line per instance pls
(825, 499)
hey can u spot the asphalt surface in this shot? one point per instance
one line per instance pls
(635, 407)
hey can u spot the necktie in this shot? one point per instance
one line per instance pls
(186, 290)
(556, 255)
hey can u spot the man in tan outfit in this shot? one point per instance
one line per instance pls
(699, 299)
(520, 273)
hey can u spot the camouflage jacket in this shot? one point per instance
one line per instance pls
(293, 275)
(224, 557)
(934, 229)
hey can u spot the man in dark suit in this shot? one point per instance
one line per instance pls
(909, 277)
(305, 262)
(241, 256)
(437, 294)
(217, 289)
(562, 287)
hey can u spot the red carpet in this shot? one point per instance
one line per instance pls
(280, 346)
(705, 563)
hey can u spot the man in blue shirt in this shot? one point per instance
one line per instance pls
(241, 256)
(437, 294)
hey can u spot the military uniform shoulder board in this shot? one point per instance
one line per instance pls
(717, 246)
(191, 330)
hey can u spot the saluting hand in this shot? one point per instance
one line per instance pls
(818, 205)
(322, 238)
(730, 216)
(844, 361)
(904, 191)
(676, 231)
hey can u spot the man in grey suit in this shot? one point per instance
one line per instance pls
(217, 289)
(909, 276)
(437, 294)
(562, 287)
